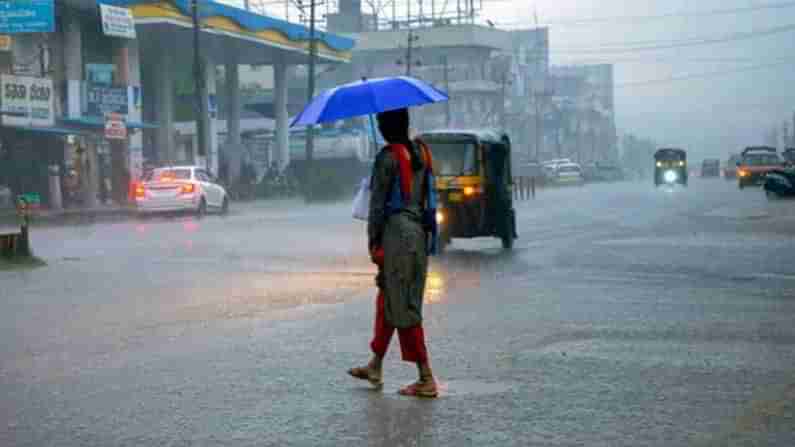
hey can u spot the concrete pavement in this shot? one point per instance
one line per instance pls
(625, 316)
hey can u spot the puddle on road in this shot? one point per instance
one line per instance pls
(453, 388)
(700, 241)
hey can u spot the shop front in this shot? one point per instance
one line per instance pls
(32, 156)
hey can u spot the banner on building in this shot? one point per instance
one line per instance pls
(27, 101)
(102, 99)
(115, 127)
(117, 22)
(27, 16)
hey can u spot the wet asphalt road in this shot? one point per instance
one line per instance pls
(624, 317)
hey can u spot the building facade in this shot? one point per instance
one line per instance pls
(93, 95)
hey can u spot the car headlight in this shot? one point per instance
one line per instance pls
(670, 176)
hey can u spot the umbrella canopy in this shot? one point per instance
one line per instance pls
(367, 97)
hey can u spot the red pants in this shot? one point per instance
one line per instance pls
(412, 340)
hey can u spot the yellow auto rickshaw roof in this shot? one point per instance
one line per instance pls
(482, 135)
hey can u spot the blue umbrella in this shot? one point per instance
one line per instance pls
(368, 97)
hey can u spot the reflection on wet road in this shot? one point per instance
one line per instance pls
(624, 316)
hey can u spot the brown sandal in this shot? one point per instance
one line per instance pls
(368, 374)
(427, 389)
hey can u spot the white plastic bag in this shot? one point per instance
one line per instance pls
(361, 203)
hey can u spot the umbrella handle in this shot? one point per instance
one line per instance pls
(372, 125)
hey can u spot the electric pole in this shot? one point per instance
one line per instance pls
(502, 101)
(310, 93)
(447, 90)
(542, 95)
(411, 39)
(409, 52)
(199, 88)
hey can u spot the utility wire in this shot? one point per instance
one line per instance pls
(648, 18)
(671, 60)
(632, 47)
(706, 75)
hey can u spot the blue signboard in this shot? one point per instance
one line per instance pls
(27, 16)
(101, 99)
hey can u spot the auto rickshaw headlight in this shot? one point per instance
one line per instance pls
(669, 176)
(659, 164)
(681, 163)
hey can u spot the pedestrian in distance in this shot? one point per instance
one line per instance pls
(399, 245)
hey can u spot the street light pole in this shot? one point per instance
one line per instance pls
(310, 93)
(408, 52)
(447, 90)
(199, 90)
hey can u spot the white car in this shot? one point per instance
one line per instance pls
(180, 188)
(569, 174)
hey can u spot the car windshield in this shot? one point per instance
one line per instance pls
(760, 159)
(164, 175)
(454, 158)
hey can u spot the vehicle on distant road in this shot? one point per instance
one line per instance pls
(473, 184)
(569, 174)
(789, 155)
(780, 183)
(670, 167)
(180, 188)
(549, 168)
(730, 170)
(754, 165)
(710, 167)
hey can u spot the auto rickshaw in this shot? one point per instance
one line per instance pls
(670, 167)
(474, 185)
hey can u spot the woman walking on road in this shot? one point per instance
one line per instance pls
(398, 244)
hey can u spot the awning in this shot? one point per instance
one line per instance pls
(47, 130)
(96, 122)
(230, 29)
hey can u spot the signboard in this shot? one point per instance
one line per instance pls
(100, 73)
(27, 16)
(27, 101)
(115, 128)
(117, 22)
(101, 100)
(6, 42)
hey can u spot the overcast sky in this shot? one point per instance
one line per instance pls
(710, 115)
